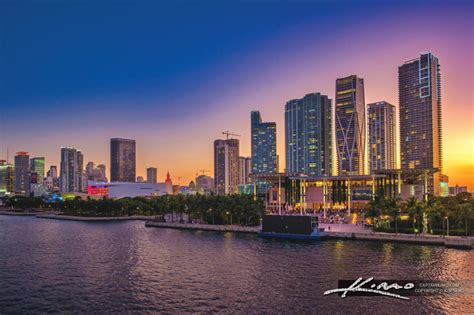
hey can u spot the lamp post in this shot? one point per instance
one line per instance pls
(447, 225)
(227, 212)
(210, 210)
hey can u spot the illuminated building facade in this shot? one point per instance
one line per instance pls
(22, 173)
(151, 175)
(122, 160)
(263, 145)
(420, 116)
(37, 167)
(382, 145)
(7, 178)
(351, 139)
(226, 166)
(308, 135)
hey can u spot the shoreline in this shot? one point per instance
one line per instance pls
(449, 241)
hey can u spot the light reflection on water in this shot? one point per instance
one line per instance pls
(61, 266)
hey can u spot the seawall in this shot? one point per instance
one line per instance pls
(450, 241)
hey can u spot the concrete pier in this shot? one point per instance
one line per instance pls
(365, 235)
(204, 227)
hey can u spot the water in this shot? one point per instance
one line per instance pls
(63, 266)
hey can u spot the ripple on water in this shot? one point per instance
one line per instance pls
(61, 266)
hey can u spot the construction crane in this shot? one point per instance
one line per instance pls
(204, 171)
(228, 133)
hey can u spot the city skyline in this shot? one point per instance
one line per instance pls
(162, 141)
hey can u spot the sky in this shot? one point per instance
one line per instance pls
(174, 75)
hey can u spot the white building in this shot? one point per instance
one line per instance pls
(117, 190)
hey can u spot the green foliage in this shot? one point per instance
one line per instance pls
(430, 216)
(232, 209)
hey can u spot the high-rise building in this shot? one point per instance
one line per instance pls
(140, 179)
(22, 173)
(82, 180)
(122, 160)
(351, 139)
(37, 167)
(382, 143)
(101, 176)
(52, 180)
(226, 166)
(71, 177)
(263, 145)
(151, 175)
(90, 170)
(53, 171)
(420, 116)
(308, 135)
(96, 174)
(245, 169)
(7, 178)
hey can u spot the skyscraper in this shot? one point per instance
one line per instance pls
(37, 167)
(245, 169)
(69, 179)
(351, 139)
(419, 89)
(53, 171)
(7, 178)
(263, 145)
(226, 166)
(151, 175)
(96, 174)
(382, 145)
(308, 135)
(81, 180)
(122, 160)
(22, 173)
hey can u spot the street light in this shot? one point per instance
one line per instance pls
(447, 225)
(230, 217)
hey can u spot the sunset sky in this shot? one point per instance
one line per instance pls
(174, 75)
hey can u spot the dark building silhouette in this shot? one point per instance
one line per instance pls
(122, 160)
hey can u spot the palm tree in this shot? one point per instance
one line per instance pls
(413, 207)
(465, 213)
(392, 207)
(432, 206)
(374, 209)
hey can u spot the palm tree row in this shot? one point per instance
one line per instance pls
(431, 216)
(232, 209)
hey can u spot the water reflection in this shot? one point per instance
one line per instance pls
(56, 266)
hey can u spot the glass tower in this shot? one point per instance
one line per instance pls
(382, 145)
(420, 116)
(263, 145)
(351, 139)
(308, 135)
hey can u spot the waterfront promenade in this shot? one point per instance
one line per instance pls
(337, 231)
